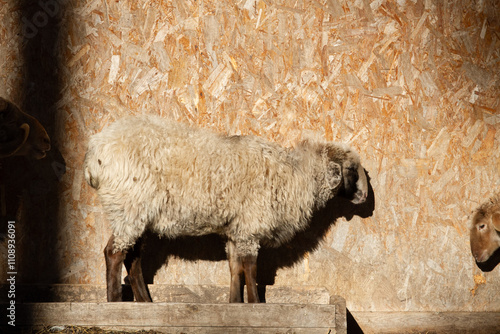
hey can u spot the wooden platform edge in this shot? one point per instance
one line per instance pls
(428, 322)
(184, 317)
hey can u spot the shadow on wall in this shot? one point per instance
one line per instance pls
(156, 251)
(287, 255)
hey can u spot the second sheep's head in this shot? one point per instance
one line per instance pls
(484, 229)
(20, 133)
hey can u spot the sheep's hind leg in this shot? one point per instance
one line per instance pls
(236, 269)
(250, 270)
(114, 262)
(135, 276)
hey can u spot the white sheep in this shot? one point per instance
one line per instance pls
(175, 180)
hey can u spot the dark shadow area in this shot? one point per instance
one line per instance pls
(492, 262)
(156, 251)
(352, 325)
(39, 212)
(31, 186)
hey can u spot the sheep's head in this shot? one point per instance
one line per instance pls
(485, 231)
(345, 176)
(20, 133)
(355, 185)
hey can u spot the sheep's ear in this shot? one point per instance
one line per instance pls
(495, 219)
(334, 175)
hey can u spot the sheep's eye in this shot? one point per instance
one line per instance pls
(482, 226)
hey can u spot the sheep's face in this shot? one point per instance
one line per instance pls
(484, 234)
(355, 183)
(20, 133)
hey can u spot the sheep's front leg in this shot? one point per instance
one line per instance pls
(242, 266)
(136, 278)
(250, 270)
(114, 262)
(236, 270)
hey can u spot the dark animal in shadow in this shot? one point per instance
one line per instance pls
(20, 133)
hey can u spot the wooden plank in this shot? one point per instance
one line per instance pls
(340, 313)
(423, 322)
(256, 317)
(213, 330)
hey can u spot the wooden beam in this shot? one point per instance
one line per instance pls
(428, 322)
(188, 317)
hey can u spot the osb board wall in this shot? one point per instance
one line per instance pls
(412, 85)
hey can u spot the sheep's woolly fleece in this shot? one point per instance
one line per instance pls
(158, 174)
